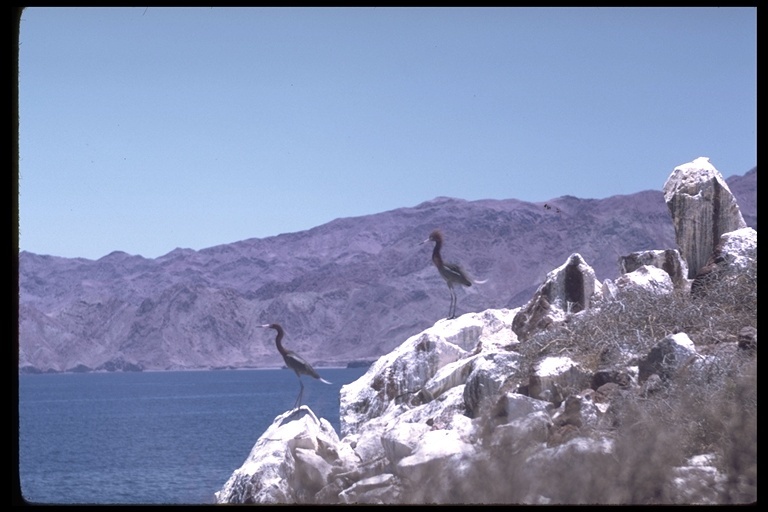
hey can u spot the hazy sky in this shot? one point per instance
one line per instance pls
(146, 129)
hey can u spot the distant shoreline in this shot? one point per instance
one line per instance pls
(349, 365)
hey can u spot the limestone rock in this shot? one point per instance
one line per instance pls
(289, 463)
(702, 208)
(463, 413)
(733, 253)
(424, 366)
(381, 489)
(567, 289)
(666, 357)
(645, 278)
(489, 373)
(553, 377)
(669, 260)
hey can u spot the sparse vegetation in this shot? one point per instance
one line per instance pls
(610, 332)
(709, 408)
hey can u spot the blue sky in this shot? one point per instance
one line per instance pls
(147, 129)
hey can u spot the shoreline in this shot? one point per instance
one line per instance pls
(245, 368)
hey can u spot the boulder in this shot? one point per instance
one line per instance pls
(668, 260)
(292, 461)
(666, 357)
(646, 278)
(424, 366)
(567, 289)
(554, 378)
(702, 208)
(734, 252)
(490, 371)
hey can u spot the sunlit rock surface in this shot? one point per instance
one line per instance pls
(568, 289)
(430, 444)
(668, 260)
(425, 365)
(702, 208)
(291, 462)
(457, 414)
(648, 278)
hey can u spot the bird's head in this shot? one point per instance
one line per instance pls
(435, 236)
(276, 327)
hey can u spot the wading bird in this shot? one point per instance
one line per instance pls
(293, 361)
(451, 272)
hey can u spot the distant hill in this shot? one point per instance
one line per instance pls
(349, 290)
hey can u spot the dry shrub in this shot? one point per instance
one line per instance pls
(709, 407)
(617, 330)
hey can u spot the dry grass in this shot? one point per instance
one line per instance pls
(710, 407)
(616, 330)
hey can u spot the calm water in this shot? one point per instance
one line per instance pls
(152, 437)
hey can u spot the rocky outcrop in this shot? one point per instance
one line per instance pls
(647, 278)
(456, 414)
(291, 462)
(568, 289)
(668, 260)
(731, 255)
(459, 414)
(428, 364)
(702, 208)
(402, 444)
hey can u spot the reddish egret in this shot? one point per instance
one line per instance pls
(451, 272)
(293, 361)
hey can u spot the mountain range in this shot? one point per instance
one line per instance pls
(346, 291)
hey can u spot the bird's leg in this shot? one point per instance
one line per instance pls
(452, 307)
(301, 392)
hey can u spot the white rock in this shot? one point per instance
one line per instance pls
(553, 375)
(702, 208)
(740, 247)
(647, 278)
(436, 448)
(401, 440)
(525, 432)
(380, 490)
(412, 372)
(268, 473)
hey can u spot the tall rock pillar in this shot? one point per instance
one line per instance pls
(702, 208)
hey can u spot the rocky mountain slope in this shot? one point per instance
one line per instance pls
(347, 290)
(635, 391)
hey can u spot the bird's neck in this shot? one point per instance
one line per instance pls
(278, 342)
(436, 258)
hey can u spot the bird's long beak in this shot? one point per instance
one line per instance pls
(425, 241)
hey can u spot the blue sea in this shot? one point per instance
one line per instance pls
(153, 437)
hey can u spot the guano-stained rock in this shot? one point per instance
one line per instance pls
(568, 289)
(702, 208)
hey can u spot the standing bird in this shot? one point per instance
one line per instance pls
(451, 272)
(293, 361)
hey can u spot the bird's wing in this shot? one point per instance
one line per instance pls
(298, 364)
(457, 273)
(301, 365)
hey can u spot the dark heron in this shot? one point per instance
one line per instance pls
(293, 361)
(451, 272)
